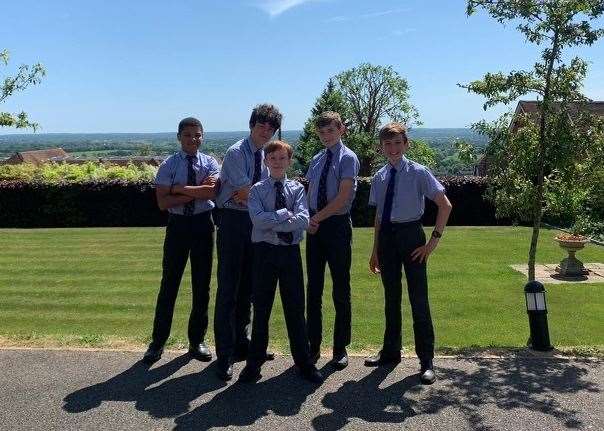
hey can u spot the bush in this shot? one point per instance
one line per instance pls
(28, 204)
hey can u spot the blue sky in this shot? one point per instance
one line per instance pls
(140, 66)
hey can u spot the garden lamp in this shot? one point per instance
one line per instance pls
(536, 308)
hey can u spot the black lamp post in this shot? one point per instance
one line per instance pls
(536, 308)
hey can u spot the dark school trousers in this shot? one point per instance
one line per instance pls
(232, 314)
(186, 237)
(395, 244)
(283, 264)
(330, 245)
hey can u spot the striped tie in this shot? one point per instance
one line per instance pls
(322, 196)
(387, 211)
(191, 180)
(287, 237)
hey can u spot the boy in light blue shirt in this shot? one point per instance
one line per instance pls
(397, 192)
(279, 213)
(185, 186)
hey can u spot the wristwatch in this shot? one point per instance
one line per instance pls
(436, 234)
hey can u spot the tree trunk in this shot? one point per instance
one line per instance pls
(538, 203)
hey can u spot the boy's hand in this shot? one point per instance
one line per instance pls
(313, 226)
(240, 196)
(424, 251)
(374, 264)
(209, 181)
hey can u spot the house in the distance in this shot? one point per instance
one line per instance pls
(531, 107)
(38, 157)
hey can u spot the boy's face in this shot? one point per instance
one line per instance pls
(278, 162)
(330, 135)
(261, 133)
(394, 148)
(190, 139)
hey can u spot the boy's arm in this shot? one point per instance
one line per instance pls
(207, 189)
(299, 219)
(261, 218)
(233, 170)
(344, 192)
(374, 264)
(444, 209)
(166, 200)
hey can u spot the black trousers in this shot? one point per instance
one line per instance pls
(330, 245)
(186, 237)
(283, 264)
(395, 245)
(232, 314)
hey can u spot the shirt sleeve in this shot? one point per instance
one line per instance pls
(233, 169)
(430, 185)
(373, 192)
(163, 176)
(300, 218)
(260, 217)
(349, 167)
(213, 168)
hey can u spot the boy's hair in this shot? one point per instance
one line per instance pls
(390, 130)
(326, 118)
(189, 122)
(277, 145)
(266, 113)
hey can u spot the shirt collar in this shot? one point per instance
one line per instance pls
(251, 146)
(335, 149)
(272, 180)
(402, 165)
(184, 155)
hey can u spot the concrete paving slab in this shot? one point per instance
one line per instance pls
(546, 273)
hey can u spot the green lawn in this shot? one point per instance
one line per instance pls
(98, 287)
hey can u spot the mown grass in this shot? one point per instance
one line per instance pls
(97, 287)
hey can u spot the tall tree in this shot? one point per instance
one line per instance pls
(547, 142)
(26, 75)
(309, 143)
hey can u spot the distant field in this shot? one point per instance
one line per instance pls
(97, 287)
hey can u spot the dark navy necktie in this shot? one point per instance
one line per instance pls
(387, 211)
(257, 166)
(287, 237)
(191, 180)
(322, 195)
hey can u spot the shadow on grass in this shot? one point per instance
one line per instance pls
(473, 391)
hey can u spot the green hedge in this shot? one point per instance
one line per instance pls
(120, 203)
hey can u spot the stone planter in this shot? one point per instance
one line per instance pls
(571, 266)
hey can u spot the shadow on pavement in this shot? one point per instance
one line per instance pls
(169, 399)
(242, 404)
(474, 389)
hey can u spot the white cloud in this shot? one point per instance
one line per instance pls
(277, 7)
(342, 18)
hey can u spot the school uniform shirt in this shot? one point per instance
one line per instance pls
(413, 183)
(344, 164)
(267, 222)
(238, 171)
(174, 171)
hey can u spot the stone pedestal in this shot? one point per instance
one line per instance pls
(571, 266)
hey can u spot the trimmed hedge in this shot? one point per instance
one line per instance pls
(119, 203)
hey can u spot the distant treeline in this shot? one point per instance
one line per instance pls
(216, 143)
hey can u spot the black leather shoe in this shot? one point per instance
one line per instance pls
(311, 374)
(200, 352)
(427, 376)
(314, 357)
(152, 355)
(270, 356)
(224, 370)
(339, 360)
(382, 359)
(249, 374)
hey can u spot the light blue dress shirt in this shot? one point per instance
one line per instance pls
(344, 164)
(237, 172)
(174, 171)
(267, 222)
(413, 183)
